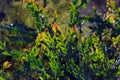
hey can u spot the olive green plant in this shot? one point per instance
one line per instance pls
(51, 46)
(39, 14)
(75, 18)
(66, 55)
(27, 63)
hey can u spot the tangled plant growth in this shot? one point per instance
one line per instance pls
(68, 55)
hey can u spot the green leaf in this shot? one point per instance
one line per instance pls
(93, 57)
(116, 40)
(16, 53)
(97, 74)
(34, 52)
(2, 78)
(118, 72)
(6, 53)
(1, 46)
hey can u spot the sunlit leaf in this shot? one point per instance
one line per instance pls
(112, 19)
(6, 53)
(34, 52)
(1, 46)
(6, 65)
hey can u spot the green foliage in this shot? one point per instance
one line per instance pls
(39, 15)
(2, 46)
(67, 55)
(75, 18)
(4, 76)
(116, 40)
